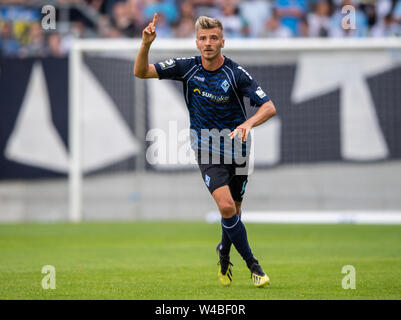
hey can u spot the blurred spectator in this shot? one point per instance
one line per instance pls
(9, 45)
(208, 8)
(186, 28)
(96, 4)
(105, 28)
(303, 27)
(337, 3)
(319, 20)
(54, 46)
(36, 46)
(122, 20)
(369, 8)
(135, 12)
(397, 12)
(234, 25)
(387, 27)
(21, 19)
(187, 9)
(77, 31)
(163, 7)
(274, 28)
(338, 30)
(114, 33)
(109, 5)
(290, 14)
(256, 13)
(383, 8)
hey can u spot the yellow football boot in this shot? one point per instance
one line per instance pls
(225, 272)
(259, 278)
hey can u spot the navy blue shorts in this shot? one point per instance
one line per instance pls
(218, 175)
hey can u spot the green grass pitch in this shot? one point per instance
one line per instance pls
(177, 260)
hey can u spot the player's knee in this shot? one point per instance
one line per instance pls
(227, 209)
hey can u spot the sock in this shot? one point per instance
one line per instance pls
(251, 261)
(236, 232)
(225, 243)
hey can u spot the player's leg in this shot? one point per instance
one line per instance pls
(238, 205)
(225, 245)
(226, 206)
(232, 224)
(215, 177)
(237, 188)
(225, 202)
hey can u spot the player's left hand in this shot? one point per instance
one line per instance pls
(149, 33)
(241, 132)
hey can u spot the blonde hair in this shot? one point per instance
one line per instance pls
(204, 22)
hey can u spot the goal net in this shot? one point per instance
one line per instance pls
(338, 101)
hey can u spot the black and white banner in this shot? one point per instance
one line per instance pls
(345, 110)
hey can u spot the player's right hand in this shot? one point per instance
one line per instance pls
(149, 33)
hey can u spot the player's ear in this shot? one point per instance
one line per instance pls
(222, 43)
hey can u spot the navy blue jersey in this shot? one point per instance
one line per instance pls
(215, 99)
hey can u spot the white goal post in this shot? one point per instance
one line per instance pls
(184, 47)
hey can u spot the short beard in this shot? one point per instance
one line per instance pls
(212, 57)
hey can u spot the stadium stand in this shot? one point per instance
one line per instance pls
(21, 35)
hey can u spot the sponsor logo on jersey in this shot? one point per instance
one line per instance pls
(225, 85)
(211, 96)
(167, 64)
(200, 78)
(260, 93)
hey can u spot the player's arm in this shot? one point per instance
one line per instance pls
(142, 68)
(266, 109)
(264, 113)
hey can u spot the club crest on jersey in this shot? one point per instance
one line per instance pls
(225, 85)
(167, 64)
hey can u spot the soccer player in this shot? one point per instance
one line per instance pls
(214, 87)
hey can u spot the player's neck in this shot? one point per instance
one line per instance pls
(213, 64)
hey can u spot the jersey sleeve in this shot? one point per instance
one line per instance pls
(250, 88)
(173, 69)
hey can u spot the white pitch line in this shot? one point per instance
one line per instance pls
(315, 217)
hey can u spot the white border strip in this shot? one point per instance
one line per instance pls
(315, 217)
(245, 45)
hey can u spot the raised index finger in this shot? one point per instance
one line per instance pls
(155, 17)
